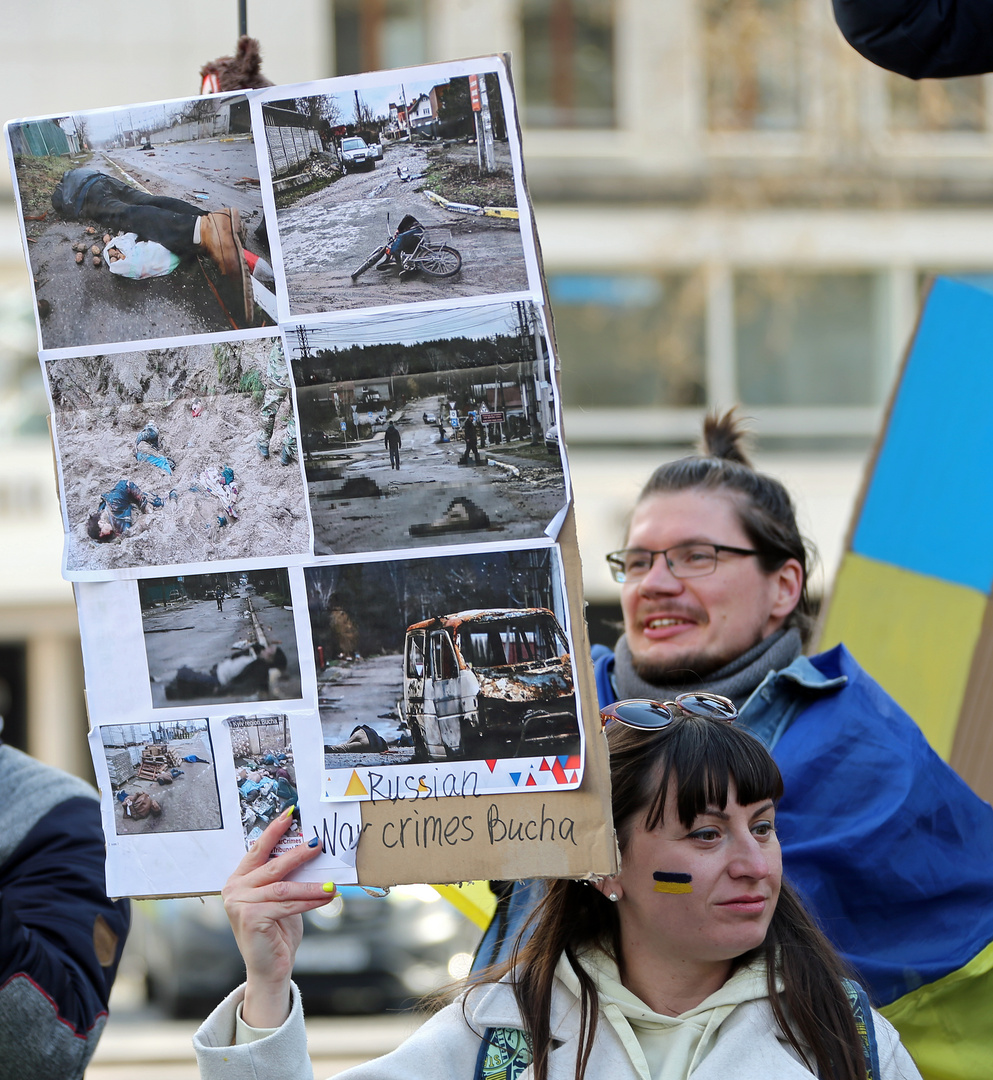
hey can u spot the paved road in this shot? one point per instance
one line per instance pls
(517, 504)
(93, 306)
(361, 692)
(195, 633)
(330, 233)
(137, 1042)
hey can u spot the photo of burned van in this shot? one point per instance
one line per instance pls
(492, 683)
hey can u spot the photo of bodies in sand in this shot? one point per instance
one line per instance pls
(428, 428)
(405, 166)
(162, 777)
(179, 178)
(220, 637)
(166, 448)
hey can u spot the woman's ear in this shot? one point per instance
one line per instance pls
(610, 887)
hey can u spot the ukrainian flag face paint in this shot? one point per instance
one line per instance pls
(672, 883)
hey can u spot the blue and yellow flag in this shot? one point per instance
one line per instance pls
(914, 911)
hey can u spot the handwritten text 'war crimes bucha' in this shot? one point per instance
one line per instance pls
(424, 830)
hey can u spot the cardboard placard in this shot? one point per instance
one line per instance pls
(322, 544)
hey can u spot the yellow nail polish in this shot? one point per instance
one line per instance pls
(328, 886)
(288, 812)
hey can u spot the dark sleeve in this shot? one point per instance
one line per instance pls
(922, 39)
(136, 495)
(60, 942)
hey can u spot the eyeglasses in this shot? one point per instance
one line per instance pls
(648, 715)
(683, 560)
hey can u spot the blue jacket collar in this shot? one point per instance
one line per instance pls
(776, 701)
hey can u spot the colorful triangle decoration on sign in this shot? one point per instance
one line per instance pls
(355, 785)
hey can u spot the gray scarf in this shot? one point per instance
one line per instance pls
(736, 680)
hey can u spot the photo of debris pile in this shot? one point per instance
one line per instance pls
(265, 774)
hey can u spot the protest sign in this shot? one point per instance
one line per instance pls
(322, 550)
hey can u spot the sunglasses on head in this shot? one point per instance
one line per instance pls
(650, 715)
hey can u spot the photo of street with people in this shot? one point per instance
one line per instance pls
(396, 193)
(162, 777)
(220, 637)
(162, 456)
(144, 222)
(461, 657)
(428, 428)
(265, 774)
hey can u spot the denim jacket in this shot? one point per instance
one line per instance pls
(888, 847)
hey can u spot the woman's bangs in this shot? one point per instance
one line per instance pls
(704, 757)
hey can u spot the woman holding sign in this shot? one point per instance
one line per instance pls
(696, 959)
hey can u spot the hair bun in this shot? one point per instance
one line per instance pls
(724, 437)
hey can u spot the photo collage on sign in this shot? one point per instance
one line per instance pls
(306, 417)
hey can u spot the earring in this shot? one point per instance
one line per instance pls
(613, 898)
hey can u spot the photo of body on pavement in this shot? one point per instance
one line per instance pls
(144, 222)
(160, 456)
(200, 651)
(428, 428)
(398, 192)
(162, 776)
(459, 658)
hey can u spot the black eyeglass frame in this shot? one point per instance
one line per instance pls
(660, 714)
(615, 559)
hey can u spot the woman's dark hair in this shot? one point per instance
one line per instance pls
(93, 529)
(764, 506)
(700, 757)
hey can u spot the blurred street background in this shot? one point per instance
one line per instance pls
(733, 206)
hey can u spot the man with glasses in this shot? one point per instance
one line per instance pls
(888, 846)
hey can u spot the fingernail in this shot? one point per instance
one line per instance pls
(314, 841)
(288, 812)
(328, 886)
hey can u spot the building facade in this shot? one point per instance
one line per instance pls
(733, 206)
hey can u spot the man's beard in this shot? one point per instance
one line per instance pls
(686, 670)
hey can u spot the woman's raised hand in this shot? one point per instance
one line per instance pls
(265, 912)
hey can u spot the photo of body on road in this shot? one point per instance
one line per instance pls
(265, 774)
(461, 658)
(399, 192)
(162, 462)
(220, 638)
(427, 428)
(144, 222)
(162, 777)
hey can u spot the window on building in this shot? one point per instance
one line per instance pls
(374, 34)
(630, 339)
(752, 56)
(568, 63)
(937, 104)
(807, 339)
